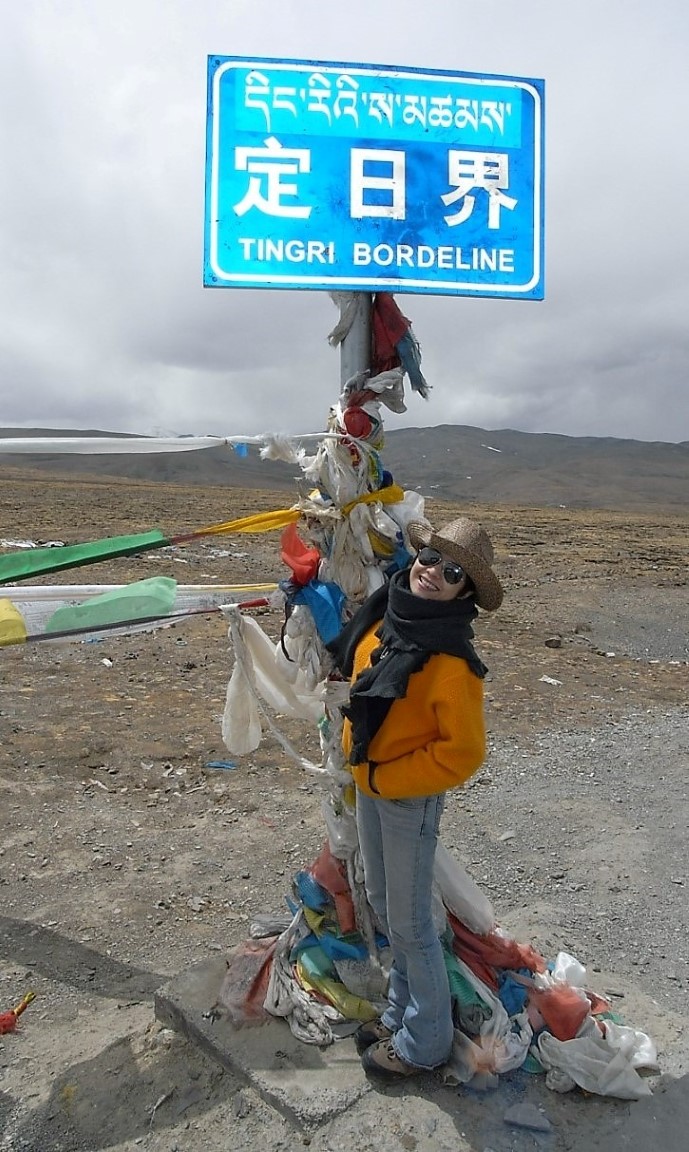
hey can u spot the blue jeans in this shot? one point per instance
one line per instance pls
(397, 840)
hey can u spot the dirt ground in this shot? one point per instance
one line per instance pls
(124, 858)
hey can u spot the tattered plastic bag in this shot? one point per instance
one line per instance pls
(558, 997)
(596, 1063)
(501, 1045)
(340, 823)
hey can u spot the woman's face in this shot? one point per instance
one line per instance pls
(430, 582)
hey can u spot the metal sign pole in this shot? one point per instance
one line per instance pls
(355, 349)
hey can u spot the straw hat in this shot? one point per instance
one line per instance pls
(468, 544)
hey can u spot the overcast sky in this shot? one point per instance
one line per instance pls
(104, 322)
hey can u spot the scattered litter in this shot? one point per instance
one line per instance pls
(156, 1106)
(8, 1020)
(106, 662)
(549, 680)
(227, 764)
(31, 544)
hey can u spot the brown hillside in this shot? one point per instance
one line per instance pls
(450, 462)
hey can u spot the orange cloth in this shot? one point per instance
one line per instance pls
(563, 1009)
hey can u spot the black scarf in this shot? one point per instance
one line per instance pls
(412, 629)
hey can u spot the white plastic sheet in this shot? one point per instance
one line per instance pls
(604, 1065)
(460, 894)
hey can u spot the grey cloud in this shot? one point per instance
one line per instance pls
(101, 217)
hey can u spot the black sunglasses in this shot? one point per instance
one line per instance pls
(430, 557)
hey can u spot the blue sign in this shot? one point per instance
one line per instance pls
(366, 178)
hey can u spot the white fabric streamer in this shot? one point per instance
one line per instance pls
(351, 305)
(308, 1018)
(137, 445)
(116, 445)
(254, 680)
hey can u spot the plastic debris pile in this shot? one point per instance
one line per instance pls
(511, 1008)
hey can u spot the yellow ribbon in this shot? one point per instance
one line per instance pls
(259, 522)
(393, 494)
(267, 521)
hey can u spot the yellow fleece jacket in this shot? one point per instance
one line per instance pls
(432, 739)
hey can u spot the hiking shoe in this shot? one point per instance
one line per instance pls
(382, 1061)
(370, 1033)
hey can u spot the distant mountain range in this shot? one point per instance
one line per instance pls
(452, 462)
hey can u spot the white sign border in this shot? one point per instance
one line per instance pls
(363, 283)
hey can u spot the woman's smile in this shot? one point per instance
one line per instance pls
(428, 582)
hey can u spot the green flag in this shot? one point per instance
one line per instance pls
(138, 601)
(38, 561)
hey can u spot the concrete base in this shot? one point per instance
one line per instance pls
(309, 1085)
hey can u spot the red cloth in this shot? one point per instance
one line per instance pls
(357, 422)
(245, 982)
(298, 556)
(388, 327)
(331, 874)
(483, 954)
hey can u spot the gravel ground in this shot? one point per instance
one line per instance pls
(589, 828)
(124, 858)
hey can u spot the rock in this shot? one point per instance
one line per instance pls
(241, 1104)
(525, 1115)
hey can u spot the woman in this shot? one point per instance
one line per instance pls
(414, 728)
